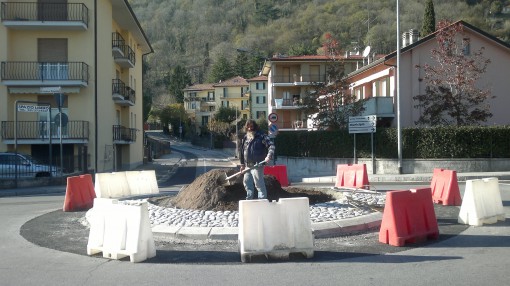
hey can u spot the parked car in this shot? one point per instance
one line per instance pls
(28, 167)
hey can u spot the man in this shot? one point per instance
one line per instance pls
(256, 147)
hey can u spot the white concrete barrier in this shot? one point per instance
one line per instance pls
(111, 185)
(481, 203)
(125, 184)
(120, 230)
(275, 229)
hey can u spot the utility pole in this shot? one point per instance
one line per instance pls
(399, 127)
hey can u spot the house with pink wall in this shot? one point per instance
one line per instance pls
(376, 81)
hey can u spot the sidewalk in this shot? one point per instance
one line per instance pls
(166, 165)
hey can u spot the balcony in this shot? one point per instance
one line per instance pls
(117, 42)
(123, 135)
(123, 55)
(208, 101)
(298, 79)
(45, 16)
(380, 106)
(40, 132)
(122, 94)
(285, 103)
(44, 74)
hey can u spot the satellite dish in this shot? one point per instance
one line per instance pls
(366, 51)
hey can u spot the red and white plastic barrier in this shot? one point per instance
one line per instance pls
(408, 217)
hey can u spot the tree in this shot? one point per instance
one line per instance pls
(226, 114)
(178, 80)
(174, 115)
(452, 97)
(329, 104)
(246, 66)
(429, 19)
(221, 70)
(301, 49)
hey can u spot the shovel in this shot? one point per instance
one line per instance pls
(225, 180)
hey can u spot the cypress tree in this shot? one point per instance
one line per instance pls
(429, 20)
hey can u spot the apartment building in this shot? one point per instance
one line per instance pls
(71, 82)
(376, 82)
(257, 97)
(233, 93)
(200, 105)
(201, 101)
(291, 78)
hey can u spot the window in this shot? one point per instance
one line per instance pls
(466, 47)
(260, 85)
(205, 120)
(210, 95)
(52, 58)
(261, 114)
(260, 100)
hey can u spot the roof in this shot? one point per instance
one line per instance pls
(424, 40)
(199, 87)
(258, 78)
(123, 14)
(433, 36)
(235, 81)
(281, 58)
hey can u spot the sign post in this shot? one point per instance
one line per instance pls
(363, 124)
(28, 106)
(273, 131)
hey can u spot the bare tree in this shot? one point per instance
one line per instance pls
(452, 96)
(329, 103)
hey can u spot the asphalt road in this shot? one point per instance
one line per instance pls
(41, 245)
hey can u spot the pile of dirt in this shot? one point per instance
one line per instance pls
(208, 192)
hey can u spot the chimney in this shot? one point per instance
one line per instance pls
(413, 36)
(405, 39)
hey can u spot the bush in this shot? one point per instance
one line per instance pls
(419, 143)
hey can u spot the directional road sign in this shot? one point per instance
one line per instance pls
(273, 129)
(362, 124)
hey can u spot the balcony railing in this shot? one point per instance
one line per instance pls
(42, 130)
(285, 103)
(37, 15)
(123, 135)
(123, 55)
(380, 106)
(299, 78)
(122, 94)
(117, 42)
(45, 73)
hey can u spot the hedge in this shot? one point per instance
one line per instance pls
(418, 143)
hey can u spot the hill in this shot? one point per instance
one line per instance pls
(194, 34)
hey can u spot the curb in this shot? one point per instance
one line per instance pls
(319, 230)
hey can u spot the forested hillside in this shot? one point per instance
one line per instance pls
(194, 34)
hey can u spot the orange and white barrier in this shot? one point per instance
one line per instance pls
(280, 173)
(408, 217)
(120, 230)
(79, 193)
(482, 203)
(445, 188)
(352, 176)
(275, 229)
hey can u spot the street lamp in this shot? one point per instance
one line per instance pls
(399, 127)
